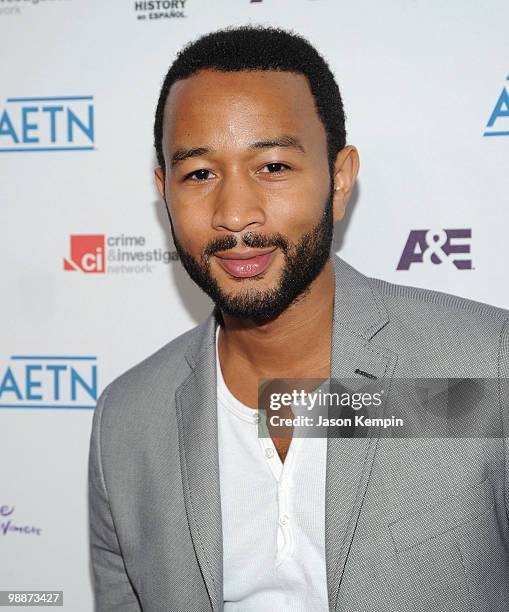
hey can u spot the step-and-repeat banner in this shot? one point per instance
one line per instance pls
(90, 280)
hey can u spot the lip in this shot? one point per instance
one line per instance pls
(246, 254)
(246, 264)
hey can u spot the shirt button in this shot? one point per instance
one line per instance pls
(284, 519)
(286, 483)
(256, 418)
(269, 453)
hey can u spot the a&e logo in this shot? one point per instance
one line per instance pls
(87, 254)
(498, 123)
(450, 247)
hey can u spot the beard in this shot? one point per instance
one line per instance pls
(303, 262)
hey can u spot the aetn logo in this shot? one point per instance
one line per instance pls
(44, 124)
(498, 123)
(49, 381)
(449, 246)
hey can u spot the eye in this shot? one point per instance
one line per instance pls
(198, 175)
(275, 168)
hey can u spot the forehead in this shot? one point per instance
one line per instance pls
(229, 108)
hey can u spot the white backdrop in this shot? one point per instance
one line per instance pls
(425, 86)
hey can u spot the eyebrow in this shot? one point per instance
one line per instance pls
(284, 141)
(182, 154)
(281, 141)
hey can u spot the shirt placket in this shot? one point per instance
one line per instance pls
(282, 473)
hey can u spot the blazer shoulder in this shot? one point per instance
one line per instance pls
(443, 333)
(398, 297)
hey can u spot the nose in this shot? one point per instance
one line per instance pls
(238, 205)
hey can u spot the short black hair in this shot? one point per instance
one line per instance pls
(241, 48)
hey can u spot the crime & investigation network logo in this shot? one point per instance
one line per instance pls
(450, 247)
(160, 9)
(498, 123)
(47, 123)
(17, 7)
(115, 254)
(49, 382)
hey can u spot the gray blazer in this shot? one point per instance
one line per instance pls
(411, 524)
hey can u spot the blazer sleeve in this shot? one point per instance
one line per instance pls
(503, 373)
(113, 591)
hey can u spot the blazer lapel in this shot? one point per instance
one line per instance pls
(197, 428)
(359, 314)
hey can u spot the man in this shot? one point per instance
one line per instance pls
(192, 510)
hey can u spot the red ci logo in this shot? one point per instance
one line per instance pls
(87, 253)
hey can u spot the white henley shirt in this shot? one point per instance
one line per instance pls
(273, 514)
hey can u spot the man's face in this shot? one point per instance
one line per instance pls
(247, 187)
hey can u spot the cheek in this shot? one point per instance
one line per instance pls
(296, 212)
(192, 227)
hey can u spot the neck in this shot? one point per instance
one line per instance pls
(295, 344)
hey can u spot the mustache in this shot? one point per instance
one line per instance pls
(249, 239)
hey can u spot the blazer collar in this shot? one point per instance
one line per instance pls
(358, 307)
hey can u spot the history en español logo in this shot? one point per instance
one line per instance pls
(159, 9)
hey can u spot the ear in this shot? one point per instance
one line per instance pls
(159, 176)
(346, 168)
